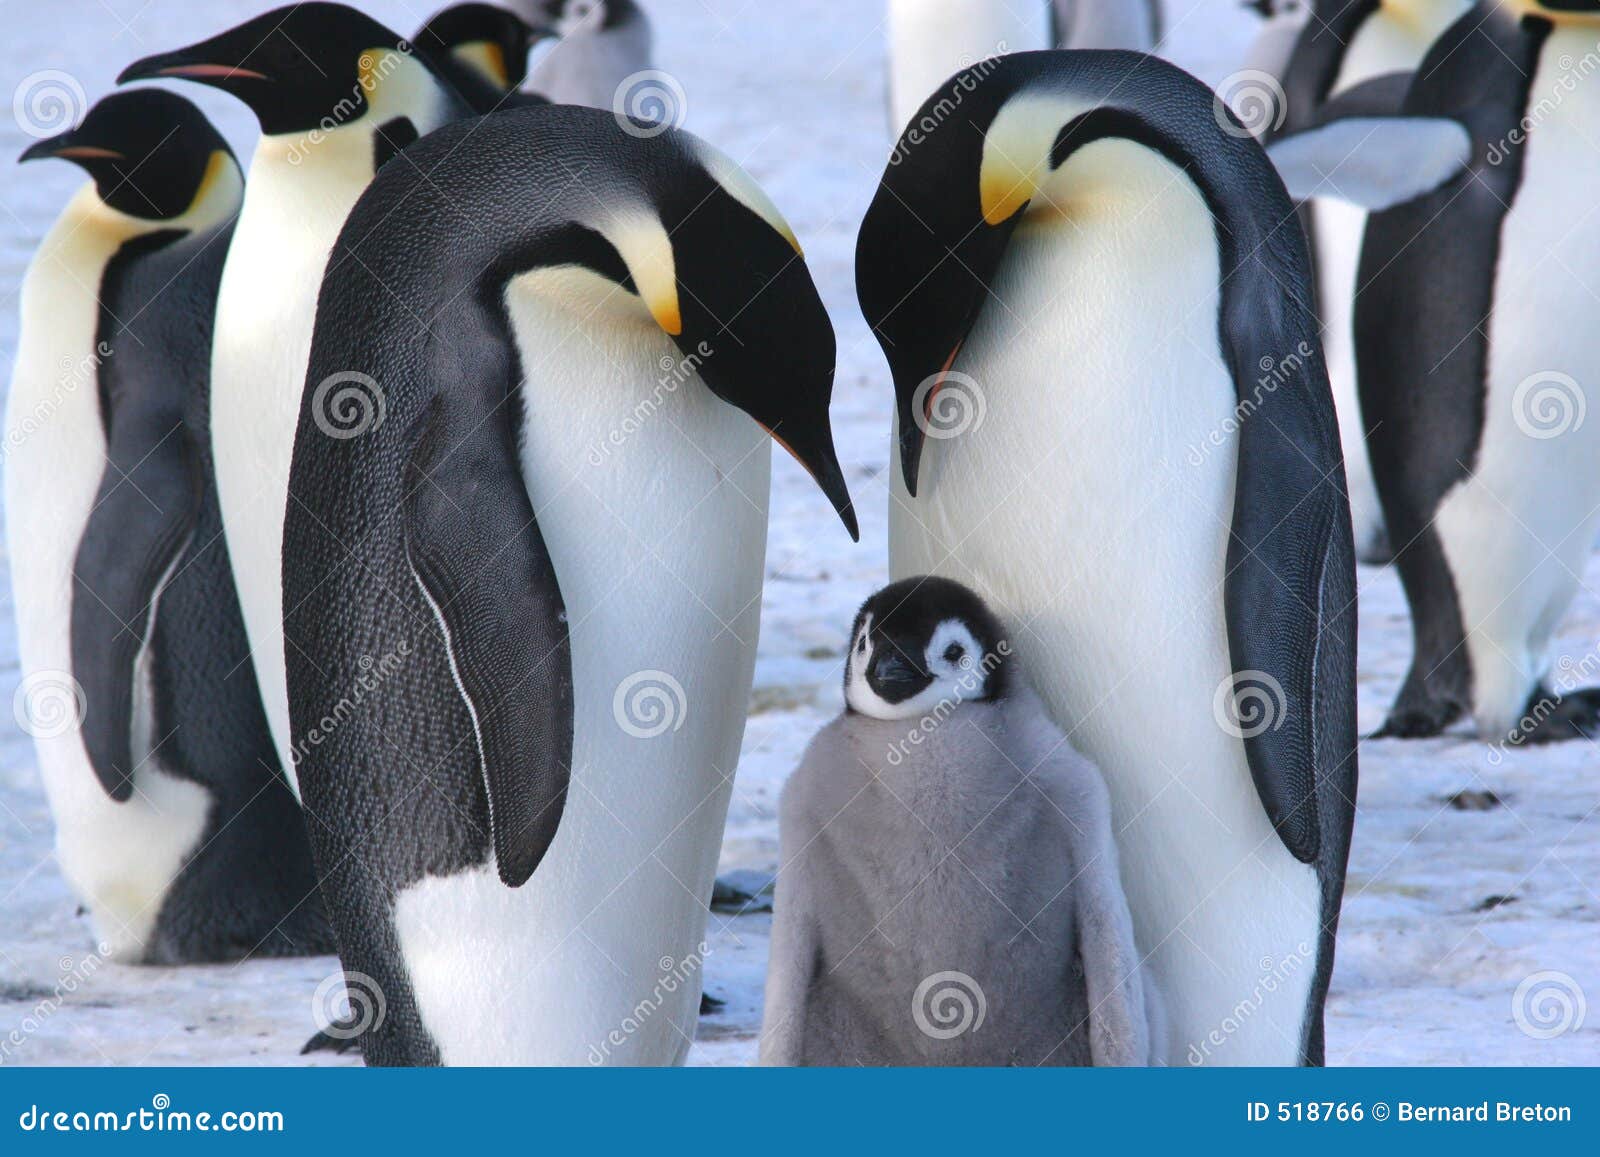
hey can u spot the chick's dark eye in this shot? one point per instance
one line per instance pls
(953, 653)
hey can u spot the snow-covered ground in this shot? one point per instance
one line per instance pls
(1448, 911)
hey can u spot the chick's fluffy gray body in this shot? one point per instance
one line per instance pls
(983, 849)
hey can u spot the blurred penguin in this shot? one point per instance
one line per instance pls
(482, 50)
(601, 45)
(949, 892)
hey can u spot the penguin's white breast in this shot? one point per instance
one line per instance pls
(266, 308)
(931, 40)
(1517, 531)
(119, 858)
(1089, 505)
(651, 496)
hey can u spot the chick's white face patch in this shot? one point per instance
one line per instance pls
(952, 656)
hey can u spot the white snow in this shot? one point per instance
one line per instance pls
(794, 90)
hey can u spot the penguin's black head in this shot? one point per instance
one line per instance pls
(927, 247)
(492, 41)
(920, 642)
(298, 68)
(748, 318)
(568, 16)
(149, 152)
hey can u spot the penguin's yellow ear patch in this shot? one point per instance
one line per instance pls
(646, 250)
(742, 188)
(486, 57)
(1016, 152)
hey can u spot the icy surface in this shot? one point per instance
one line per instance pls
(1428, 961)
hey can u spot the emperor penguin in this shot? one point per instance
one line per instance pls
(1282, 22)
(1114, 424)
(482, 50)
(560, 521)
(931, 40)
(1346, 45)
(949, 891)
(1477, 352)
(174, 825)
(601, 48)
(337, 95)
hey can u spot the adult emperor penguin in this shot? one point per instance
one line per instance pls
(337, 95)
(482, 50)
(945, 815)
(1113, 423)
(577, 378)
(1349, 43)
(603, 45)
(173, 824)
(1489, 474)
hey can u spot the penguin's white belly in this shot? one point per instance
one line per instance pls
(119, 858)
(1076, 508)
(266, 308)
(1381, 45)
(653, 504)
(931, 40)
(1517, 532)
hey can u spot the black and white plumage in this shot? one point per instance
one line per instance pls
(482, 50)
(561, 514)
(1113, 423)
(949, 890)
(601, 47)
(174, 823)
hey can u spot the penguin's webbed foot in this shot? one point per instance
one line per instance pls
(1417, 720)
(1553, 718)
(710, 1005)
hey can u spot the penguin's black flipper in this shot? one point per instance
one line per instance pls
(474, 544)
(144, 513)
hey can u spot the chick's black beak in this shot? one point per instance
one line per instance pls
(894, 677)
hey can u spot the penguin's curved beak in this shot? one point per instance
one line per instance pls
(811, 444)
(67, 147)
(207, 62)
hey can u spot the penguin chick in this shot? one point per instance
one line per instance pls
(602, 44)
(949, 893)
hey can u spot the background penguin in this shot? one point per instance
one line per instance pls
(174, 825)
(999, 888)
(1476, 343)
(573, 445)
(482, 50)
(931, 40)
(1145, 485)
(336, 96)
(1349, 43)
(602, 43)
